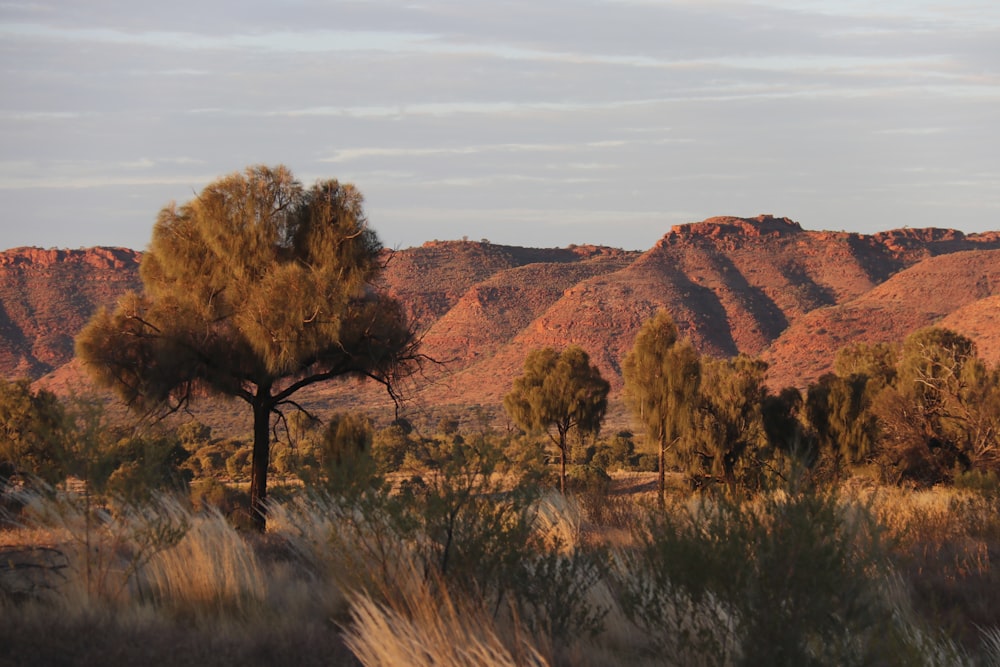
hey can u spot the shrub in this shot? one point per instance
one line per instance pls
(792, 578)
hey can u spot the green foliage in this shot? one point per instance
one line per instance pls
(560, 391)
(942, 413)
(474, 521)
(33, 432)
(238, 462)
(728, 441)
(661, 376)
(874, 361)
(789, 579)
(194, 434)
(554, 592)
(389, 447)
(146, 465)
(255, 289)
(983, 482)
(345, 463)
(618, 453)
(839, 410)
(782, 416)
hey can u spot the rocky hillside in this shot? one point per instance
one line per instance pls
(46, 296)
(760, 285)
(732, 284)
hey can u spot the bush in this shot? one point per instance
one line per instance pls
(616, 454)
(238, 463)
(147, 465)
(983, 482)
(389, 447)
(588, 479)
(211, 493)
(647, 463)
(790, 579)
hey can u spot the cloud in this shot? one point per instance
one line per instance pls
(468, 112)
(349, 154)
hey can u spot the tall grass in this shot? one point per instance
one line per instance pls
(423, 626)
(856, 576)
(210, 569)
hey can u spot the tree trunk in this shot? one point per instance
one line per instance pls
(562, 463)
(261, 457)
(662, 470)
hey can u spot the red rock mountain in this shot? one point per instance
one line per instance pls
(760, 285)
(46, 296)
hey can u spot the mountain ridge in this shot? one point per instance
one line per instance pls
(762, 285)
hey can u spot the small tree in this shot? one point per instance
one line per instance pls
(839, 411)
(729, 429)
(661, 376)
(32, 432)
(561, 392)
(941, 412)
(256, 289)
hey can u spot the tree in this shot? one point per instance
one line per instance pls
(257, 288)
(33, 432)
(661, 376)
(839, 409)
(941, 412)
(558, 391)
(346, 465)
(876, 362)
(792, 448)
(729, 428)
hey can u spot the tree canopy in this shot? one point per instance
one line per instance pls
(256, 288)
(560, 391)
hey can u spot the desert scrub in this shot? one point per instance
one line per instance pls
(786, 579)
(107, 545)
(945, 544)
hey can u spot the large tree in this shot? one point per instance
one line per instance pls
(560, 391)
(661, 375)
(257, 288)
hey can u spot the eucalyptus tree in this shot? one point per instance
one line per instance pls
(256, 289)
(558, 392)
(662, 374)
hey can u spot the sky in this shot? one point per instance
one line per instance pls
(540, 123)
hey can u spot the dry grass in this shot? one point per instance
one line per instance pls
(945, 544)
(335, 582)
(423, 626)
(211, 569)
